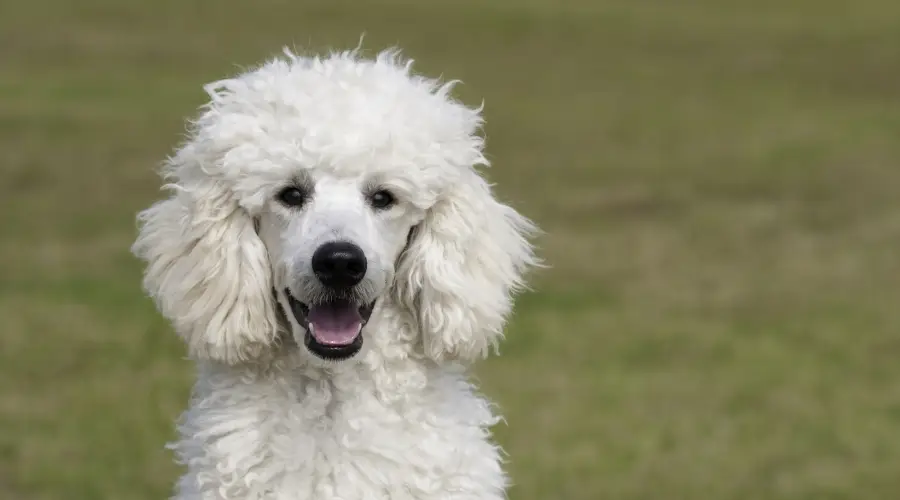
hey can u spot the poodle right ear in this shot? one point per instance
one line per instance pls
(461, 268)
(207, 269)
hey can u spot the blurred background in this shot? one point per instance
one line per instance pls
(718, 181)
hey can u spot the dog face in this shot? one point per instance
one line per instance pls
(333, 242)
(336, 183)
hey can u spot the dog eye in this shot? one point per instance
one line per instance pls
(292, 196)
(381, 199)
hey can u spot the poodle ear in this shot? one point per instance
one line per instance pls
(207, 269)
(461, 268)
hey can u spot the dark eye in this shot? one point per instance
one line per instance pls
(381, 199)
(292, 196)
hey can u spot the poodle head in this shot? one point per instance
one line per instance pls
(311, 189)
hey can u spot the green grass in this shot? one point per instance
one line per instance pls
(717, 179)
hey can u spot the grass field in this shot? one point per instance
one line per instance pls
(718, 181)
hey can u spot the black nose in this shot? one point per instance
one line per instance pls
(339, 264)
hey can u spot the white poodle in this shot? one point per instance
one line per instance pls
(334, 261)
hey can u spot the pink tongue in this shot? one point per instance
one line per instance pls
(334, 323)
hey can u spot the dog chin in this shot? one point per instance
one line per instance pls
(333, 328)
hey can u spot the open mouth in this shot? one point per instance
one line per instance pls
(333, 328)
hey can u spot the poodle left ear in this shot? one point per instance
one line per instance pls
(207, 269)
(461, 268)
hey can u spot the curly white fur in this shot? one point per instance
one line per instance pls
(267, 419)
